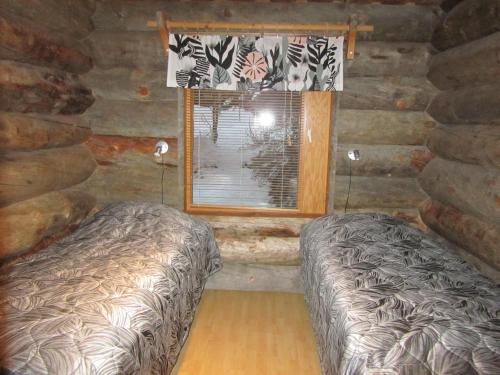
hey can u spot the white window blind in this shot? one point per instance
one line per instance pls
(246, 148)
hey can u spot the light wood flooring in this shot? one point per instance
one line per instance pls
(250, 333)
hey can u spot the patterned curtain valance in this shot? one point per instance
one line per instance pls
(286, 63)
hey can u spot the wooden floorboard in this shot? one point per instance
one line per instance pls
(250, 333)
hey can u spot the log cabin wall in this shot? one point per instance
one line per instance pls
(42, 152)
(463, 180)
(381, 112)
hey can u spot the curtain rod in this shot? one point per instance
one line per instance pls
(327, 27)
(165, 25)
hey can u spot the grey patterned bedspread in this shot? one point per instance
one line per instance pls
(115, 297)
(386, 299)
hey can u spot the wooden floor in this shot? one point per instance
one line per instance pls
(247, 333)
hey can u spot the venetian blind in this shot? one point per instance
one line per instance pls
(246, 148)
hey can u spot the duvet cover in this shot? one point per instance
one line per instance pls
(387, 299)
(115, 297)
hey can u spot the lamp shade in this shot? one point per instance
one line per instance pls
(161, 148)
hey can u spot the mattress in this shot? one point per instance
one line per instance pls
(386, 299)
(115, 297)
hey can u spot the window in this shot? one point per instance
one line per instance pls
(256, 153)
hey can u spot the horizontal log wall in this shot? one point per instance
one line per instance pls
(406, 23)
(381, 112)
(28, 88)
(471, 188)
(383, 160)
(480, 237)
(24, 41)
(467, 105)
(24, 175)
(43, 152)
(467, 65)
(479, 145)
(386, 90)
(469, 20)
(24, 224)
(128, 171)
(32, 132)
(464, 180)
(69, 17)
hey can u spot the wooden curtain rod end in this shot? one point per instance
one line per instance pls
(351, 41)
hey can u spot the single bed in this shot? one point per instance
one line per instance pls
(387, 299)
(115, 297)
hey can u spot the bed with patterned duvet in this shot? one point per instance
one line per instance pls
(386, 299)
(115, 297)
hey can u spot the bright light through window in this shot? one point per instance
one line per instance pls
(265, 119)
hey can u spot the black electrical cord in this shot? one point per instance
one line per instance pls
(349, 188)
(162, 176)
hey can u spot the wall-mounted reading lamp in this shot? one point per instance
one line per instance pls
(353, 155)
(161, 149)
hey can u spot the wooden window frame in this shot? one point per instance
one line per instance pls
(316, 120)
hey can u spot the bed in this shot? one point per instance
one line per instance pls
(115, 297)
(385, 299)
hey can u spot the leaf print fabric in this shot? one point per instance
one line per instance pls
(386, 299)
(285, 63)
(115, 297)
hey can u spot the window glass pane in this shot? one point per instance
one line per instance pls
(246, 148)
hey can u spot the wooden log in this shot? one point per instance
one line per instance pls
(472, 189)
(386, 93)
(469, 20)
(470, 105)
(257, 277)
(474, 63)
(397, 161)
(140, 49)
(258, 240)
(392, 23)
(382, 127)
(24, 224)
(130, 84)
(375, 59)
(29, 133)
(480, 264)
(131, 175)
(133, 118)
(27, 174)
(257, 226)
(478, 144)
(247, 249)
(27, 88)
(24, 42)
(479, 236)
(72, 18)
(109, 149)
(378, 192)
